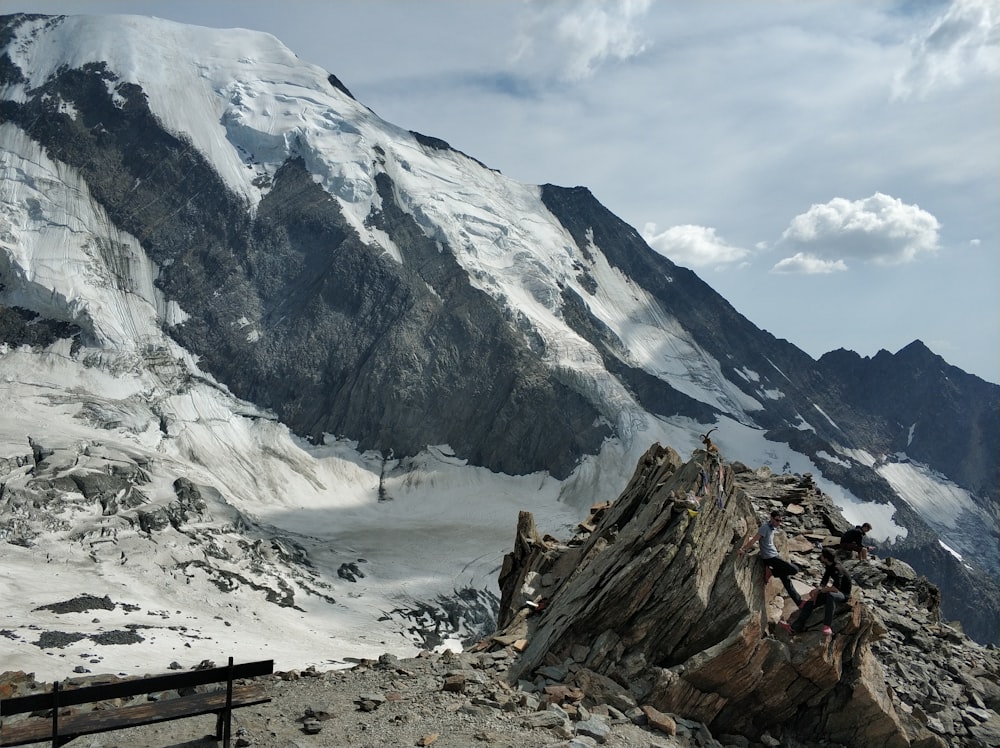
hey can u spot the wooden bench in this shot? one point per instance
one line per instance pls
(63, 726)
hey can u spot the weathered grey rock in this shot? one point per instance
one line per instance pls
(979, 715)
(529, 701)
(543, 719)
(553, 672)
(673, 619)
(316, 713)
(578, 741)
(930, 740)
(616, 715)
(559, 711)
(636, 716)
(595, 728)
(737, 741)
(988, 733)
(990, 690)
(603, 690)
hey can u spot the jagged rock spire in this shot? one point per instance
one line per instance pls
(656, 600)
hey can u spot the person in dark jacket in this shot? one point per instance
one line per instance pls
(853, 540)
(834, 588)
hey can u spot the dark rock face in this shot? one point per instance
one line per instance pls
(23, 327)
(935, 413)
(80, 604)
(652, 602)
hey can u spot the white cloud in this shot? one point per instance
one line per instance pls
(806, 264)
(963, 41)
(880, 229)
(584, 35)
(692, 246)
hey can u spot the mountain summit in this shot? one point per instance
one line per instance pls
(239, 308)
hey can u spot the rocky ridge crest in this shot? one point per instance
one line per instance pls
(651, 601)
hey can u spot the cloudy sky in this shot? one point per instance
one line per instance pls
(831, 168)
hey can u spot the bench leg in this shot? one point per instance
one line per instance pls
(223, 726)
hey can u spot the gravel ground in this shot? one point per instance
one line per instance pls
(448, 701)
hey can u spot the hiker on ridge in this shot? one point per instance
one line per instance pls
(828, 595)
(853, 540)
(776, 565)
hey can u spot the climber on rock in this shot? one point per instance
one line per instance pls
(828, 595)
(853, 541)
(780, 568)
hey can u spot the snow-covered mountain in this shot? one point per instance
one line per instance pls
(279, 374)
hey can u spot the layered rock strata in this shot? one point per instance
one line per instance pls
(652, 599)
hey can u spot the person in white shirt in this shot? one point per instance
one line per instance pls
(780, 568)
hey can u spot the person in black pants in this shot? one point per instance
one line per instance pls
(782, 569)
(854, 540)
(834, 588)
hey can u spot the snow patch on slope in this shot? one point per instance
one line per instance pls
(285, 520)
(933, 496)
(860, 455)
(948, 508)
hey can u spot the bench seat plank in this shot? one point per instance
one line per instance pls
(120, 689)
(35, 730)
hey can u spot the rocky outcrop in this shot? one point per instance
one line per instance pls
(651, 600)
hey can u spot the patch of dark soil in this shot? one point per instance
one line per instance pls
(117, 637)
(57, 639)
(80, 604)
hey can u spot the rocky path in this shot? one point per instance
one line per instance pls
(446, 700)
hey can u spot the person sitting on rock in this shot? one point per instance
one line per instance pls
(829, 595)
(780, 568)
(853, 541)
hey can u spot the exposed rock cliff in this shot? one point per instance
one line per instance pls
(652, 601)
